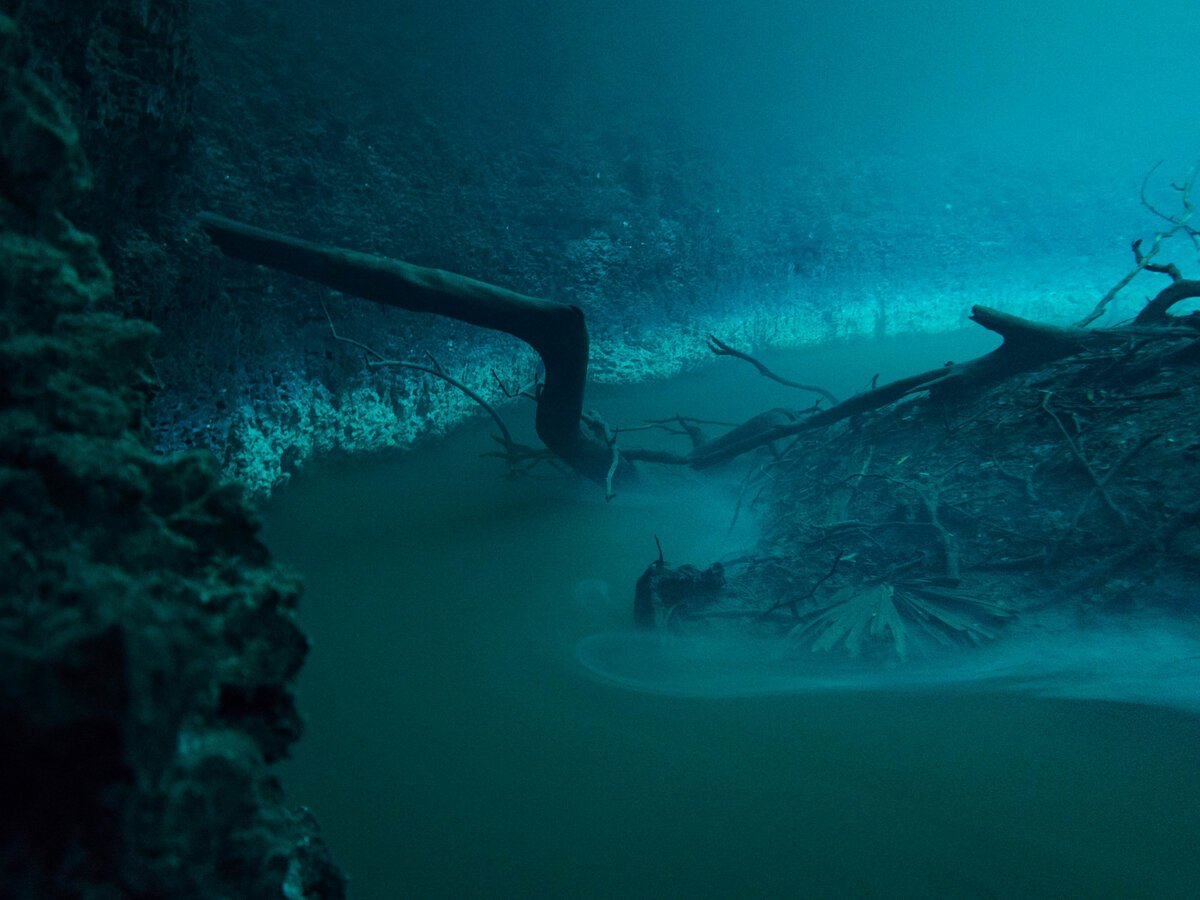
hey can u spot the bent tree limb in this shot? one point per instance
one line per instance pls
(556, 331)
(1180, 289)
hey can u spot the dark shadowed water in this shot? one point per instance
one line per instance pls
(483, 724)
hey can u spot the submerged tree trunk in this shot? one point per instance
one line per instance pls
(556, 331)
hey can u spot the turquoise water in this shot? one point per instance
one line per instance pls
(482, 723)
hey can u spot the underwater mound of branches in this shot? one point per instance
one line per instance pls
(943, 521)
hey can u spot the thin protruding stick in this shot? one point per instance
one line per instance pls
(1143, 260)
(379, 361)
(720, 348)
(1098, 482)
(794, 603)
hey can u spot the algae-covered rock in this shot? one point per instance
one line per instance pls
(41, 164)
(148, 648)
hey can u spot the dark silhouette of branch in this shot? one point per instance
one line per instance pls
(1142, 260)
(1180, 288)
(720, 348)
(515, 452)
(557, 332)
(1026, 344)
(793, 603)
(593, 421)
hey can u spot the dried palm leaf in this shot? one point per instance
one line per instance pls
(902, 620)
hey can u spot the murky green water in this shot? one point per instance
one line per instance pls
(456, 748)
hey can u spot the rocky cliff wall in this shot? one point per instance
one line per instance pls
(148, 649)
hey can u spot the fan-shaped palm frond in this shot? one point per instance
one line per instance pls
(903, 619)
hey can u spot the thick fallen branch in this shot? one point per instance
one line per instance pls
(1027, 344)
(557, 332)
(1180, 288)
(559, 335)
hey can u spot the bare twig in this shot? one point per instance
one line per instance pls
(1087, 466)
(687, 425)
(720, 348)
(795, 601)
(378, 361)
(1179, 223)
(737, 509)
(612, 470)
(1184, 189)
(930, 495)
(1169, 269)
(1143, 260)
(1126, 457)
(682, 419)
(1023, 480)
(370, 351)
(511, 392)
(600, 429)
(1146, 202)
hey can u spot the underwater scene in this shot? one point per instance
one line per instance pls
(640, 448)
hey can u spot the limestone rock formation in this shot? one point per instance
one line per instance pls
(148, 648)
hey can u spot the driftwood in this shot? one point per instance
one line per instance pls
(556, 331)
(1026, 345)
(1180, 288)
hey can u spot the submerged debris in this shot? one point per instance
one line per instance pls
(665, 594)
(907, 618)
(939, 522)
